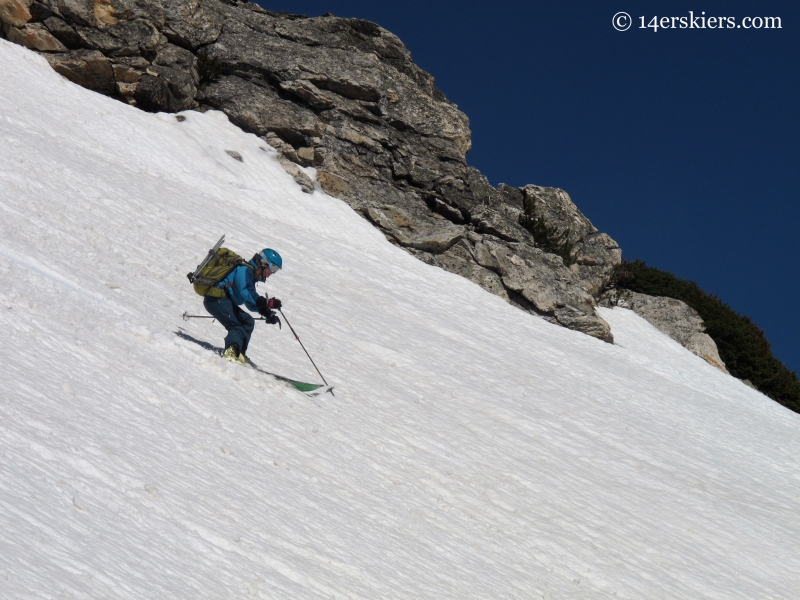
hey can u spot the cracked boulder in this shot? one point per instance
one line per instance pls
(304, 181)
(14, 13)
(88, 68)
(36, 37)
(671, 316)
(435, 236)
(552, 289)
(459, 259)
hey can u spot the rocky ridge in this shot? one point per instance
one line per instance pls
(343, 96)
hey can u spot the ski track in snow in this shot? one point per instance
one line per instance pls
(471, 451)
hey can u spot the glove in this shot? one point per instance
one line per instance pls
(263, 307)
(274, 304)
(272, 319)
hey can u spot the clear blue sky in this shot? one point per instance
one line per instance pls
(682, 144)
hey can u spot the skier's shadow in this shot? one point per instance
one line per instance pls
(219, 351)
(182, 334)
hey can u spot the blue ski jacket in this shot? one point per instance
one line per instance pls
(240, 286)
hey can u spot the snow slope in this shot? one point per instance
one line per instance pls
(471, 451)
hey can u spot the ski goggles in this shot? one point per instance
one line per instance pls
(265, 264)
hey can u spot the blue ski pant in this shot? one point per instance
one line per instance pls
(239, 324)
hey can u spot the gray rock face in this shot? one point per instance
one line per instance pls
(673, 317)
(176, 69)
(343, 96)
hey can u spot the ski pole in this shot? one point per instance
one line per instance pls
(304, 350)
(187, 317)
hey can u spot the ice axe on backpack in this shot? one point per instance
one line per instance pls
(201, 266)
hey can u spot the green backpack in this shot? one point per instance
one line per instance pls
(218, 268)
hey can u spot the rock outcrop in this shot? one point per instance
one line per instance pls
(673, 317)
(343, 96)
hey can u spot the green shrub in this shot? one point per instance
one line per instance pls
(741, 344)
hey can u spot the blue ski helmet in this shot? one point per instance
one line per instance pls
(272, 259)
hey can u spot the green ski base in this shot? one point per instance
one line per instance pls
(300, 385)
(312, 389)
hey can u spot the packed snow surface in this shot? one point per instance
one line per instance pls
(471, 450)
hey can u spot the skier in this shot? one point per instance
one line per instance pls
(239, 286)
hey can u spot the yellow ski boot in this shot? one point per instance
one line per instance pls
(232, 353)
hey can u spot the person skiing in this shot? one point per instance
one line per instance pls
(239, 286)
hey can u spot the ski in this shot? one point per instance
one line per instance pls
(309, 389)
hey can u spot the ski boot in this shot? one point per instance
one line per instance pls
(232, 353)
